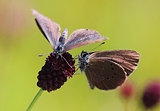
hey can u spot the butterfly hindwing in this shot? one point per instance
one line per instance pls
(104, 74)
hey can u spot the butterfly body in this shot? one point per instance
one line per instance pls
(59, 48)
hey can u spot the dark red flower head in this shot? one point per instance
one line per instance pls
(128, 90)
(55, 71)
(151, 95)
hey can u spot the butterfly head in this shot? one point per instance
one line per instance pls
(83, 60)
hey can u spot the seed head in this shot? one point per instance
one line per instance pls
(151, 95)
(55, 71)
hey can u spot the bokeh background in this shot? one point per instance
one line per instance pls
(129, 24)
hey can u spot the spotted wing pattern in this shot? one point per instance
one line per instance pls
(104, 74)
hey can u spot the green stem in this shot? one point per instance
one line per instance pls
(34, 100)
(126, 106)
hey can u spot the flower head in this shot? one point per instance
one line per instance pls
(151, 95)
(128, 89)
(55, 71)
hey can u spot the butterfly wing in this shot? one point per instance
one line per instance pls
(104, 74)
(128, 59)
(82, 37)
(50, 29)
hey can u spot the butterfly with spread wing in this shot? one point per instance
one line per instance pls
(59, 41)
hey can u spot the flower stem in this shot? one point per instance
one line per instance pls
(126, 106)
(34, 100)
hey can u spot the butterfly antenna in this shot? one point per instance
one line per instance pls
(40, 55)
(97, 46)
(66, 62)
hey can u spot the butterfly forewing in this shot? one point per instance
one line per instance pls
(104, 74)
(128, 59)
(82, 37)
(50, 29)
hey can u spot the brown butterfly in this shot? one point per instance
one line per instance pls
(108, 69)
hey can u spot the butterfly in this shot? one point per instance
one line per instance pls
(59, 41)
(108, 69)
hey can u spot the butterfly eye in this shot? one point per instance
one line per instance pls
(84, 54)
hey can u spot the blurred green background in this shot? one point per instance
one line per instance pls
(129, 24)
